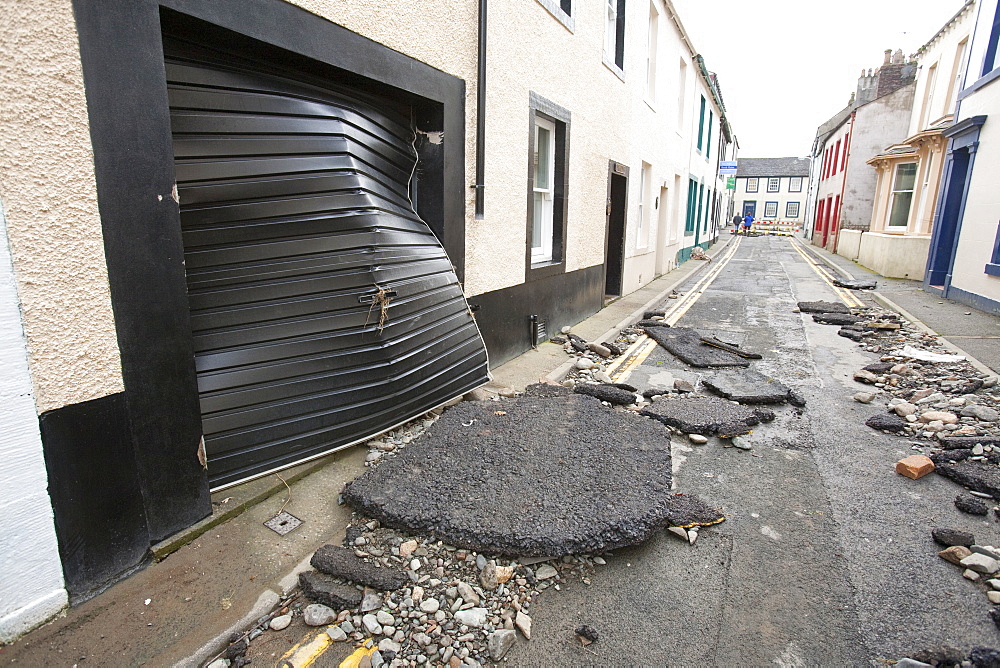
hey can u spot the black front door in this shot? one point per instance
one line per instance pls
(615, 254)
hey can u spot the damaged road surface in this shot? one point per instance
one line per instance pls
(549, 473)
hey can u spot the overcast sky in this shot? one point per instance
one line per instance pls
(786, 66)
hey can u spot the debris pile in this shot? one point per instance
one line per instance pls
(980, 563)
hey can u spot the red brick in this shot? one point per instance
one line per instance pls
(914, 466)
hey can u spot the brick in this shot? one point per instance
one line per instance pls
(914, 466)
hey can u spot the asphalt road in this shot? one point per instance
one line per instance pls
(826, 557)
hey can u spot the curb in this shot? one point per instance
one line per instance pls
(559, 372)
(917, 322)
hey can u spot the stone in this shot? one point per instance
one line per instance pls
(545, 572)
(603, 377)
(970, 574)
(741, 443)
(386, 645)
(680, 532)
(500, 642)
(467, 593)
(886, 422)
(324, 589)
(488, 577)
(406, 548)
(980, 563)
(914, 466)
(985, 657)
(371, 625)
(864, 397)
(316, 614)
(995, 584)
(371, 600)
(955, 554)
(600, 349)
(474, 617)
(504, 574)
(904, 409)
(994, 596)
(949, 537)
(988, 550)
(343, 563)
(430, 606)
(583, 364)
(970, 504)
(942, 416)
(280, 623)
(697, 439)
(523, 624)
(982, 413)
(911, 663)
(220, 663)
(385, 619)
(336, 634)
(866, 377)
(681, 385)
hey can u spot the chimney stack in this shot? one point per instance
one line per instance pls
(888, 57)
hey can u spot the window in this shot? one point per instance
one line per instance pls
(752, 185)
(795, 184)
(957, 75)
(990, 62)
(645, 181)
(708, 138)
(836, 156)
(651, 40)
(544, 190)
(843, 156)
(770, 209)
(681, 92)
(548, 156)
(562, 11)
(773, 185)
(902, 194)
(708, 209)
(689, 219)
(566, 6)
(614, 34)
(701, 125)
(926, 114)
(791, 210)
(993, 266)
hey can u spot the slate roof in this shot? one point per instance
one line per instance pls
(772, 167)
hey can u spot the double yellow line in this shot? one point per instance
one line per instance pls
(636, 354)
(824, 273)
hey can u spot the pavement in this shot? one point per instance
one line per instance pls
(825, 558)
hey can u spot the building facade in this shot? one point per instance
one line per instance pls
(963, 261)
(179, 182)
(774, 190)
(909, 173)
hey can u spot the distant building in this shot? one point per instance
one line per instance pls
(843, 185)
(964, 258)
(773, 189)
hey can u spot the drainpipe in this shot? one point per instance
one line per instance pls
(481, 114)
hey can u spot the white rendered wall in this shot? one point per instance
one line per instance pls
(31, 581)
(937, 99)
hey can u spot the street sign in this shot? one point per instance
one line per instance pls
(727, 167)
(731, 183)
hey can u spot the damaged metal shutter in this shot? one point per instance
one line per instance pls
(323, 310)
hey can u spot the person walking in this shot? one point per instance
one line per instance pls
(737, 220)
(747, 222)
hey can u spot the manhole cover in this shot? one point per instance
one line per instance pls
(282, 523)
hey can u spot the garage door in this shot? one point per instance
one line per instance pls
(323, 309)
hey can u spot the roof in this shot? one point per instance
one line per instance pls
(953, 19)
(772, 167)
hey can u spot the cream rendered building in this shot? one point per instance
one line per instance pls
(909, 173)
(584, 165)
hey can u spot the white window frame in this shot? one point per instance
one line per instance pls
(645, 180)
(788, 209)
(543, 216)
(756, 184)
(795, 184)
(776, 182)
(652, 38)
(896, 192)
(610, 30)
(772, 207)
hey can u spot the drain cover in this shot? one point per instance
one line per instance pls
(282, 523)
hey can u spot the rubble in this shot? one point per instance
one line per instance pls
(329, 591)
(607, 392)
(708, 416)
(971, 504)
(836, 318)
(949, 537)
(685, 344)
(343, 563)
(748, 387)
(823, 307)
(914, 466)
(856, 284)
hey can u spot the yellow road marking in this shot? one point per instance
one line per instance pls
(637, 353)
(306, 651)
(354, 660)
(845, 295)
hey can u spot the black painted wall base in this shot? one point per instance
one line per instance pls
(99, 510)
(564, 299)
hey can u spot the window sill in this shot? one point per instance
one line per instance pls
(992, 269)
(982, 82)
(617, 71)
(552, 6)
(545, 269)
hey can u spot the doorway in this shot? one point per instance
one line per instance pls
(614, 252)
(941, 258)
(750, 208)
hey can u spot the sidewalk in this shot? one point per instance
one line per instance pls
(224, 573)
(975, 333)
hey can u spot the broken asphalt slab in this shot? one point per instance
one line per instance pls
(748, 387)
(978, 476)
(530, 476)
(685, 344)
(856, 283)
(344, 564)
(708, 416)
(823, 307)
(837, 318)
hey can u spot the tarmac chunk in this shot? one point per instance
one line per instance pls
(708, 416)
(685, 344)
(323, 588)
(886, 422)
(748, 387)
(652, 323)
(606, 392)
(836, 318)
(730, 348)
(979, 476)
(496, 483)
(342, 563)
(823, 307)
(856, 283)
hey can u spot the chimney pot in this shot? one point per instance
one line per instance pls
(888, 56)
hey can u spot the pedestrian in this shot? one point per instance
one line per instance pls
(747, 222)
(737, 220)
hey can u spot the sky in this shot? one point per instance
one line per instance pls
(786, 66)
